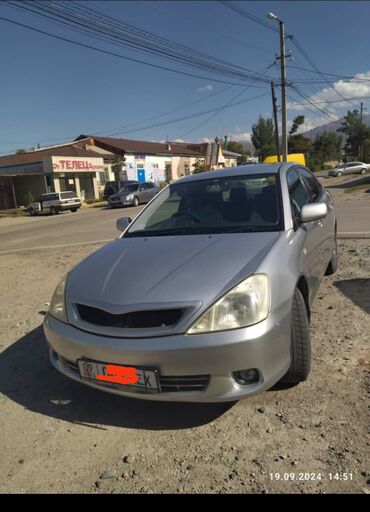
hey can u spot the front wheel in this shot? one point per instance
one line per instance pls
(300, 342)
(136, 201)
(339, 173)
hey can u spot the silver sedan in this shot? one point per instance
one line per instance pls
(206, 295)
(349, 168)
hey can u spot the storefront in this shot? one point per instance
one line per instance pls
(25, 176)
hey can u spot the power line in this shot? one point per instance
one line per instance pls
(191, 116)
(224, 106)
(117, 32)
(190, 22)
(252, 17)
(107, 52)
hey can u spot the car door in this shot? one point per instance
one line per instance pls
(151, 191)
(49, 200)
(142, 193)
(318, 194)
(311, 257)
(350, 168)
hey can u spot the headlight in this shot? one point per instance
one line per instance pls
(57, 307)
(129, 197)
(246, 304)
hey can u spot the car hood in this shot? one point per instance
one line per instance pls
(117, 195)
(194, 269)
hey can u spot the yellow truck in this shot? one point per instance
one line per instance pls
(293, 157)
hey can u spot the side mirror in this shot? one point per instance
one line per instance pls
(122, 223)
(315, 211)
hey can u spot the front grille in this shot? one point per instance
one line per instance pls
(168, 384)
(133, 320)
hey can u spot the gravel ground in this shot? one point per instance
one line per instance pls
(57, 436)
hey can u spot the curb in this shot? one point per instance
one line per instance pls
(354, 235)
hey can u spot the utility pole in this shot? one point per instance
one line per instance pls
(361, 110)
(274, 106)
(284, 142)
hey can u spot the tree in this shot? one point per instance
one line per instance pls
(20, 151)
(327, 147)
(299, 144)
(237, 147)
(118, 162)
(297, 122)
(263, 137)
(357, 134)
(200, 166)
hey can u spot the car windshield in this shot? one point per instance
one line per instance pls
(217, 205)
(129, 187)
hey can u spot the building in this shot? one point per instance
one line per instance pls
(25, 176)
(86, 165)
(144, 160)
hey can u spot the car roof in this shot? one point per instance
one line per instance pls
(240, 170)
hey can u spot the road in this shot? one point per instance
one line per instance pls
(86, 226)
(99, 225)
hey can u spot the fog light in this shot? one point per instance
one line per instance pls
(245, 377)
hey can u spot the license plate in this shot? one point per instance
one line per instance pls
(125, 376)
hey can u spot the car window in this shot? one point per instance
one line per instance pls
(216, 205)
(149, 185)
(68, 195)
(130, 187)
(312, 185)
(297, 192)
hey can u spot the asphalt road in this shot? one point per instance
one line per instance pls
(85, 226)
(90, 225)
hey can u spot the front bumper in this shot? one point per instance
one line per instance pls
(265, 347)
(122, 201)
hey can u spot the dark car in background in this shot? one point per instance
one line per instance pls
(112, 187)
(133, 194)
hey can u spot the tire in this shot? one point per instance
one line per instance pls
(363, 171)
(54, 210)
(74, 210)
(333, 263)
(339, 174)
(300, 342)
(135, 201)
(32, 212)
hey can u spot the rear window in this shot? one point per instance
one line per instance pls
(68, 195)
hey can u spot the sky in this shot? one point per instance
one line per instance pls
(51, 90)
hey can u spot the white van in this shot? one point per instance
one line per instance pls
(54, 203)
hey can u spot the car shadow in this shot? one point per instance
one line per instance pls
(28, 378)
(357, 290)
(350, 184)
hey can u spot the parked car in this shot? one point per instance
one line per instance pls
(350, 168)
(112, 187)
(206, 296)
(54, 203)
(133, 194)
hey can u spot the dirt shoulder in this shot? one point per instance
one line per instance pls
(59, 436)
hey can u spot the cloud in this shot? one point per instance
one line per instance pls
(353, 88)
(240, 136)
(179, 140)
(207, 87)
